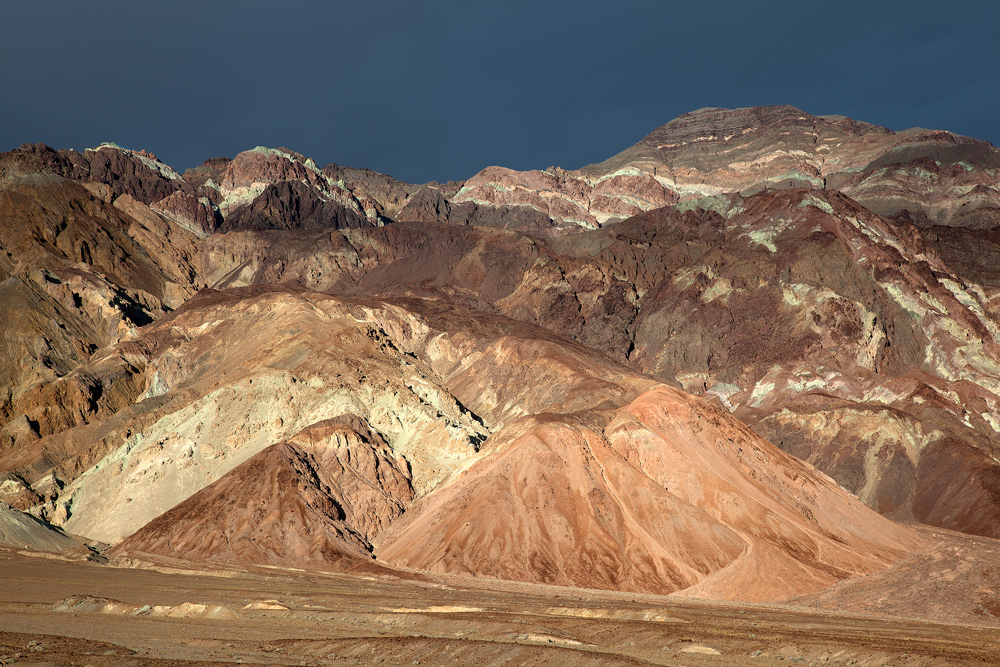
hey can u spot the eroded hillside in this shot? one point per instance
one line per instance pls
(539, 376)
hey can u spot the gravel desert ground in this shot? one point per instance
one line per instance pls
(57, 611)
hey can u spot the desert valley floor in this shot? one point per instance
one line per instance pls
(55, 611)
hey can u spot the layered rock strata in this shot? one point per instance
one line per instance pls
(502, 363)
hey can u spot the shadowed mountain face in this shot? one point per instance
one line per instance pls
(670, 371)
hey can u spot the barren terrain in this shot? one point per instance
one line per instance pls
(622, 414)
(56, 611)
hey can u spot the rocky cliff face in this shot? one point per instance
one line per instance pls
(544, 376)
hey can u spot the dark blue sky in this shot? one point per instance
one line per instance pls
(438, 90)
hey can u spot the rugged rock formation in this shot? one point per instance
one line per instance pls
(135, 173)
(566, 198)
(291, 205)
(713, 151)
(23, 531)
(502, 350)
(78, 274)
(196, 213)
(514, 377)
(316, 501)
(389, 194)
(939, 177)
(799, 310)
(668, 495)
(278, 189)
(228, 375)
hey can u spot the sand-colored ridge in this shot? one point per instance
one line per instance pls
(670, 495)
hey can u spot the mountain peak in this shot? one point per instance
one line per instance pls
(712, 123)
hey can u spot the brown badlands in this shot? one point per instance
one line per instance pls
(753, 359)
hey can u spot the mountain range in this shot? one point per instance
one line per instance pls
(752, 356)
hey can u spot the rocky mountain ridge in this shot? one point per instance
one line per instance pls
(502, 357)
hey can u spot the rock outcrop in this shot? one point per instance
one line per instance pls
(277, 189)
(135, 173)
(314, 501)
(23, 531)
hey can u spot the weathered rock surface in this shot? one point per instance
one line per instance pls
(268, 188)
(566, 199)
(314, 501)
(713, 151)
(937, 177)
(23, 531)
(291, 205)
(230, 374)
(196, 213)
(669, 495)
(135, 173)
(506, 342)
(797, 309)
(388, 193)
(78, 275)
